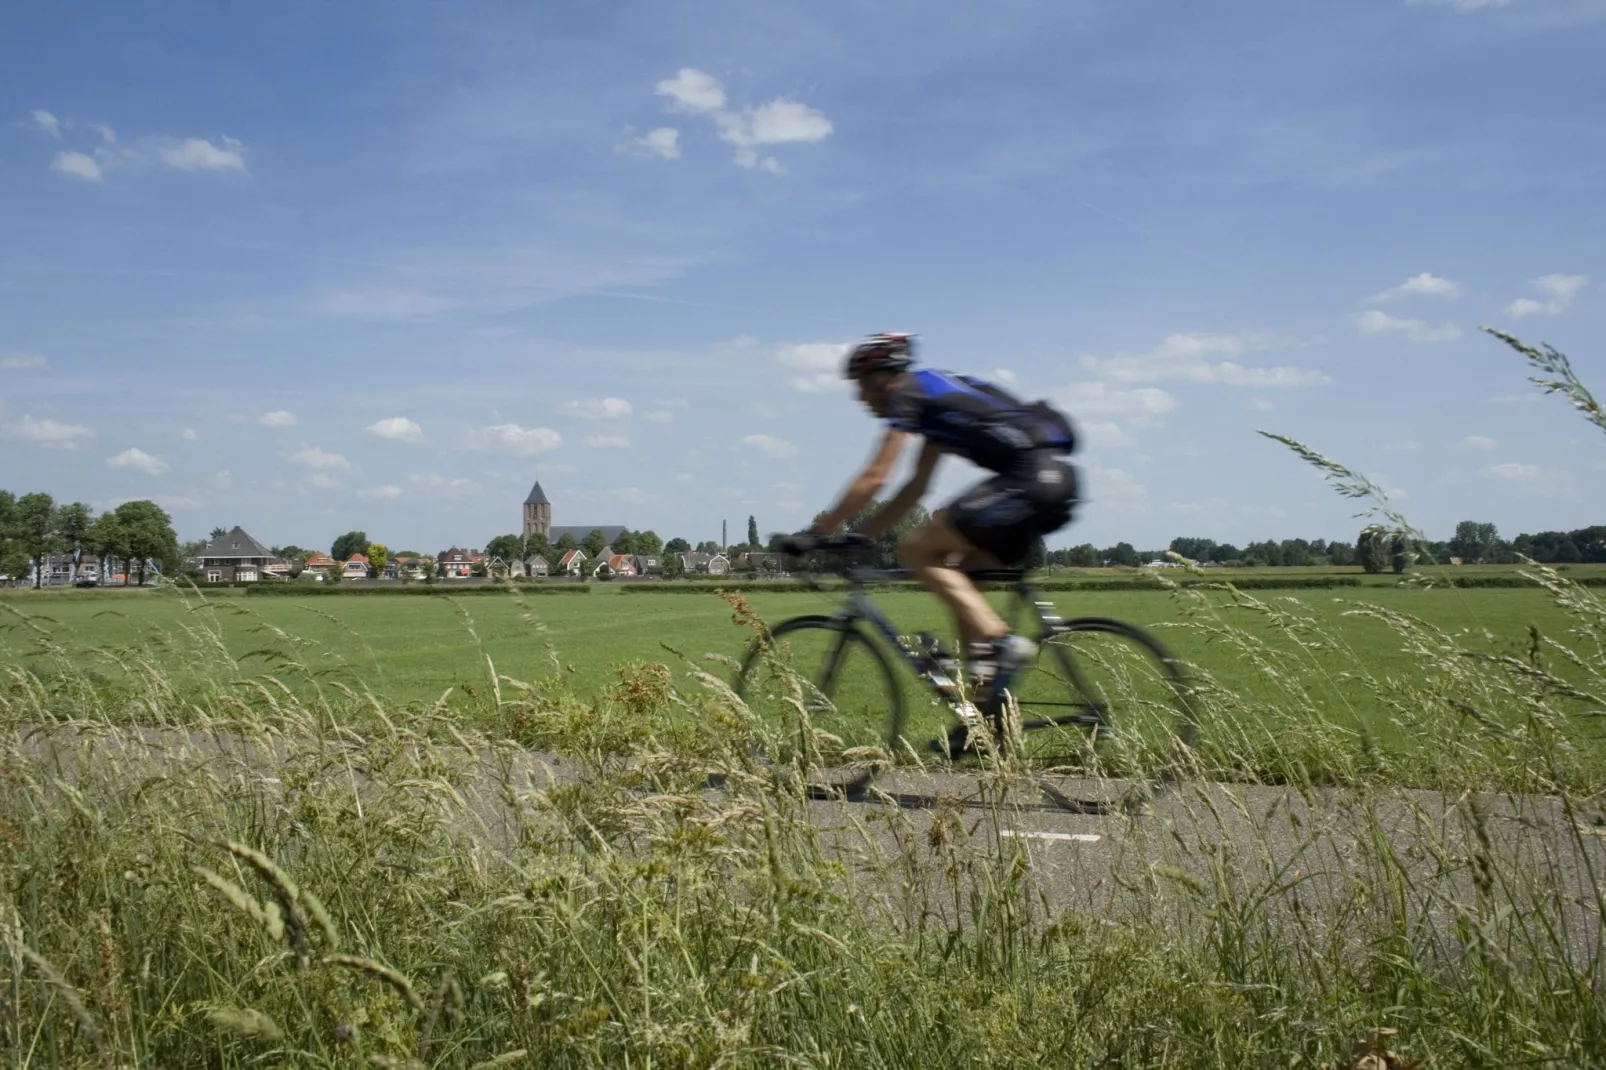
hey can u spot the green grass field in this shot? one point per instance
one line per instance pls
(1354, 671)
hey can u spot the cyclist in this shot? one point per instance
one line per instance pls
(994, 524)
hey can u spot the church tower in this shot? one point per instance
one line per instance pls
(537, 513)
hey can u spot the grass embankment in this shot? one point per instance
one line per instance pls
(399, 894)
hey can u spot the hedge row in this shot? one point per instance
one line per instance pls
(1260, 583)
(296, 590)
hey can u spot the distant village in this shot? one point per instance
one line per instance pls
(540, 551)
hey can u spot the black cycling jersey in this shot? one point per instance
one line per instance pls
(975, 419)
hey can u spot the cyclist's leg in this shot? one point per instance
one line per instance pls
(930, 551)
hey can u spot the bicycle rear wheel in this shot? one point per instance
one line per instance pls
(825, 700)
(1107, 700)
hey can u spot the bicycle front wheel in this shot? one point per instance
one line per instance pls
(1106, 699)
(825, 701)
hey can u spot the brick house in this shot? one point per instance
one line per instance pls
(455, 564)
(235, 557)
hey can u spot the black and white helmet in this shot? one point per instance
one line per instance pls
(880, 352)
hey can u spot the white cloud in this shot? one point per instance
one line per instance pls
(1111, 484)
(188, 434)
(1517, 473)
(1375, 321)
(383, 493)
(607, 442)
(107, 134)
(323, 481)
(1260, 405)
(50, 434)
(1103, 434)
(278, 418)
(693, 90)
(78, 165)
(512, 439)
(1478, 442)
(199, 154)
(449, 487)
(819, 362)
(631, 495)
(663, 142)
(397, 429)
(1188, 356)
(47, 122)
(137, 460)
(1459, 5)
(24, 362)
(1006, 377)
(1101, 399)
(1426, 284)
(672, 403)
(223, 480)
(660, 416)
(1559, 291)
(771, 446)
(599, 408)
(319, 460)
(777, 122)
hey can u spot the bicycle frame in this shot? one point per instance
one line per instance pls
(860, 607)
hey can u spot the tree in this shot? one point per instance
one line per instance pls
(150, 537)
(752, 532)
(1340, 553)
(648, 542)
(13, 558)
(1224, 552)
(106, 540)
(1193, 549)
(1473, 542)
(564, 544)
(216, 533)
(1567, 553)
(72, 525)
(625, 543)
(708, 546)
(507, 547)
(1123, 553)
(1083, 556)
(378, 558)
(1037, 556)
(677, 545)
(604, 572)
(352, 542)
(1372, 549)
(35, 528)
(674, 568)
(593, 543)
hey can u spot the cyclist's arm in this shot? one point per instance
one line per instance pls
(909, 497)
(866, 484)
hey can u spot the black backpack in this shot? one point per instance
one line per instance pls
(1050, 428)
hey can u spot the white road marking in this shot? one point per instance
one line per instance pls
(1069, 837)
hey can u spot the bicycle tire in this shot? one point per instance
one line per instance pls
(1116, 749)
(833, 765)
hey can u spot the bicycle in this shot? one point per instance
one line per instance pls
(854, 711)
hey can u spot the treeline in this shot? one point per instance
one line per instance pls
(33, 527)
(1375, 549)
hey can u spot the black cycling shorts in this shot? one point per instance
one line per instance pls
(1006, 514)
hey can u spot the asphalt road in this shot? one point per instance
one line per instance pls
(1274, 849)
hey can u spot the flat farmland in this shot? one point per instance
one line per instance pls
(410, 650)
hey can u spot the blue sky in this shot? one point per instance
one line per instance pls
(307, 267)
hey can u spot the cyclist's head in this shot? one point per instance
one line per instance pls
(875, 362)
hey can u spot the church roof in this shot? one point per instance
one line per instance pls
(537, 496)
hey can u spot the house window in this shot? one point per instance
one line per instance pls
(214, 576)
